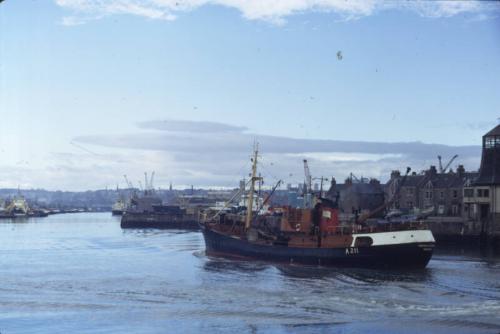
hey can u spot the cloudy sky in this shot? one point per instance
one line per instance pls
(92, 90)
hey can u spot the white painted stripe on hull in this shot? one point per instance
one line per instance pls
(396, 237)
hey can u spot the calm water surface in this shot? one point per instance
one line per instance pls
(81, 273)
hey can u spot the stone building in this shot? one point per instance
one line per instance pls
(482, 195)
(430, 191)
(357, 197)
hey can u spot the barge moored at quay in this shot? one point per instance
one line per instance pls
(148, 211)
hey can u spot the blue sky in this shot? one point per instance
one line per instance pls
(81, 82)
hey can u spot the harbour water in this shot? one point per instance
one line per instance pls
(82, 273)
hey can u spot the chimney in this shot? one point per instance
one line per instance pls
(395, 174)
(348, 181)
(432, 171)
(333, 182)
(460, 170)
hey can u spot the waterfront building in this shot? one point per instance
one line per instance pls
(438, 194)
(357, 196)
(482, 195)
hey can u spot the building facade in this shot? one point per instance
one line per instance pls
(437, 194)
(482, 195)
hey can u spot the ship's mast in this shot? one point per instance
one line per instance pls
(252, 187)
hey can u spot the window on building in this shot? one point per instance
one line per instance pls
(483, 193)
(468, 192)
(441, 194)
(409, 204)
(454, 210)
(455, 193)
(489, 142)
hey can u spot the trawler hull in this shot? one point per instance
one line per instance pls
(409, 254)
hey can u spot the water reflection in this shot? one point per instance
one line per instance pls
(19, 220)
(357, 274)
(146, 232)
(469, 251)
(220, 265)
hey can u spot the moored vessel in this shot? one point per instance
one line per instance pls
(314, 235)
(148, 211)
(118, 207)
(18, 207)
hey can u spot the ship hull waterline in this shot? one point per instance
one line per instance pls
(163, 222)
(408, 255)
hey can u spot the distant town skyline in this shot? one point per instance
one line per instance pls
(92, 90)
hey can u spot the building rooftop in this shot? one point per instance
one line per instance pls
(494, 132)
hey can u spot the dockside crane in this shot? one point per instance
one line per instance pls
(151, 180)
(308, 178)
(129, 184)
(443, 169)
(449, 163)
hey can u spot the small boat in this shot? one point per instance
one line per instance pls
(314, 235)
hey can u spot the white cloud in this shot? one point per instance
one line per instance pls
(273, 11)
(190, 126)
(345, 156)
(220, 155)
(215, 154)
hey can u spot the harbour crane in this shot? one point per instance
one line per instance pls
(308, 178)
(443, 169)
(321, 179)
(151, 180)
(129, 184)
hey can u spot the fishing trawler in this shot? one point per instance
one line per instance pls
(314, 235)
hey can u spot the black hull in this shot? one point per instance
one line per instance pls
(414, 255)
(157, 221)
